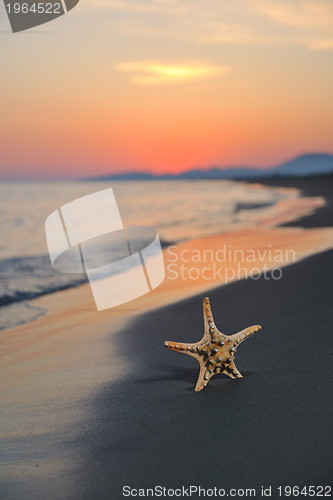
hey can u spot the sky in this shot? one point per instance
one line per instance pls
(166, 86)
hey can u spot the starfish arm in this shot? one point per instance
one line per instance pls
(244, 334)
(209, 323)
(237, 373)
(182, 347)
(202, 382)
(232, 371)
(192, 350)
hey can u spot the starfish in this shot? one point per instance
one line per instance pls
(215, 351)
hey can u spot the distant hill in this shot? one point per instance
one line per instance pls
(302, 166)
(305, 165)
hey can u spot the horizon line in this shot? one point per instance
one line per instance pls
(158, 175)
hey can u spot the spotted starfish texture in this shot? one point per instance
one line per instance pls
(215, 351)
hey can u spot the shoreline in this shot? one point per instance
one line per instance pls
(320, 185)
(282, 214)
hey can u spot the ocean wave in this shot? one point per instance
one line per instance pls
(178, 211)
(25, 278)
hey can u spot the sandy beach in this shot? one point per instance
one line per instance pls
(93, 402)
(166, 188)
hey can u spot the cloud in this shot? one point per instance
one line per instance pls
(306, 23)
(158, 73)
(138, 6)
(311, 20)
(323, 44)
(306, 13)
(119, 5)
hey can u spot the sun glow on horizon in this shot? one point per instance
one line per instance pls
(166, 86)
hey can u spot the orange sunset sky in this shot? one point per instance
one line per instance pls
(166, 85)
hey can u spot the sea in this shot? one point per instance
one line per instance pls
(178, 210)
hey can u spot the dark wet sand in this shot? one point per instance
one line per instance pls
(273, 427)
(321, 185)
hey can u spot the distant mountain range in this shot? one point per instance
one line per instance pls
(302, 166)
